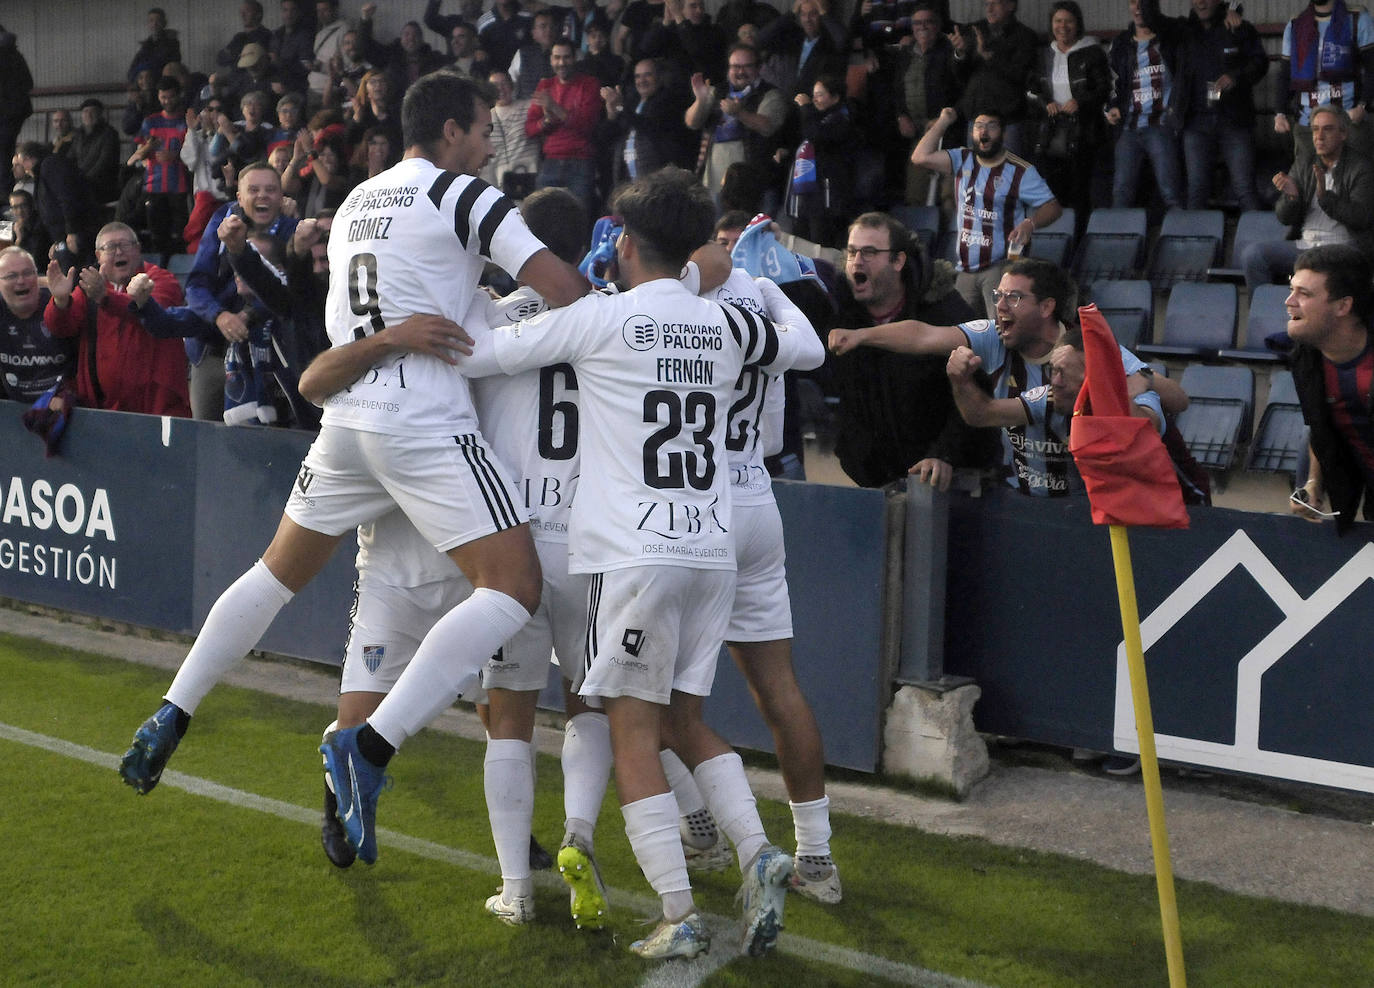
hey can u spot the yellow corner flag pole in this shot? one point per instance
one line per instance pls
(1149, 763)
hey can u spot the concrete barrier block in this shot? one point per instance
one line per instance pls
(929, 734)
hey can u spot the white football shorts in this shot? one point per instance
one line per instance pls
(762, 611)
(557, 632)
(387, 626)
(453, 489)
(655, 629)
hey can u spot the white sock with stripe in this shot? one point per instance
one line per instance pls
(811, 824)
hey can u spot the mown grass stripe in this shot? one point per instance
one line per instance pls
(724, 929)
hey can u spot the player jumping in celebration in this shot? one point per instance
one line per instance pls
(531, 422)
(411, 240)
(656, 369)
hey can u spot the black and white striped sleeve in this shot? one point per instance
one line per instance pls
(485, 221)
(773, 347)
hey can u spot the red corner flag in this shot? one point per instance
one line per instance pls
(1127, 471)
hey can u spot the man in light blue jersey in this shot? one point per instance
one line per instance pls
(1034, 298)
(999, 201)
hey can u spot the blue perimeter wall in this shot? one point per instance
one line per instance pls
(1254, 625)
(146, 520)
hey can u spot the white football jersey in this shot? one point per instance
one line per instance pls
(531, 419)
(656, 369)
(414, 240)
(754, 428)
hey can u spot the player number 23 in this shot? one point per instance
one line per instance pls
(667, 465)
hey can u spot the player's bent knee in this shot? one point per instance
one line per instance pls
(506, 562)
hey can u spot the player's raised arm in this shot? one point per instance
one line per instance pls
(976, 406)
(808, 352)
(713, 266)
(907, 336)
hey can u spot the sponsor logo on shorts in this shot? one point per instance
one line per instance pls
(305, 478)
(632, 641)
(373, 656)
(640, 333)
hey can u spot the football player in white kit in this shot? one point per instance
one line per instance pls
(656, 368)
(412, 240)
(760, 632)
(531, 421)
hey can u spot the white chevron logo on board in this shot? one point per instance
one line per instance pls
(1300, 617)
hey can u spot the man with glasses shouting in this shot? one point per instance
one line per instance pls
(129, 364)
(1000, 371)
(896, 413)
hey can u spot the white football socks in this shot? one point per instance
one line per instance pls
(586, 770)
(234, 625)
(447, 662)
(811, 824)
(732, 803)
(651, 826)
(510, 807)
(698, 826)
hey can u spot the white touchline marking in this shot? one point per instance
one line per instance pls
(724, 929)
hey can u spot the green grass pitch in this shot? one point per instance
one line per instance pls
(105, 887)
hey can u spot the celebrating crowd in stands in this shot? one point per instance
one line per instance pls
(934, 152)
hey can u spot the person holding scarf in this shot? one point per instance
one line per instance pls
(742, 123)
(1327, 57)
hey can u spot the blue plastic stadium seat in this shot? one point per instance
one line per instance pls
(1113, 245)
(1054, 242)
(180, 265)
(1268, 317)
(1280, 444)
(924, 221)
(1217, 419)
(1189, 244)
(1199, 320)
(1129, 307)
(1254, 226)
(947, 246)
